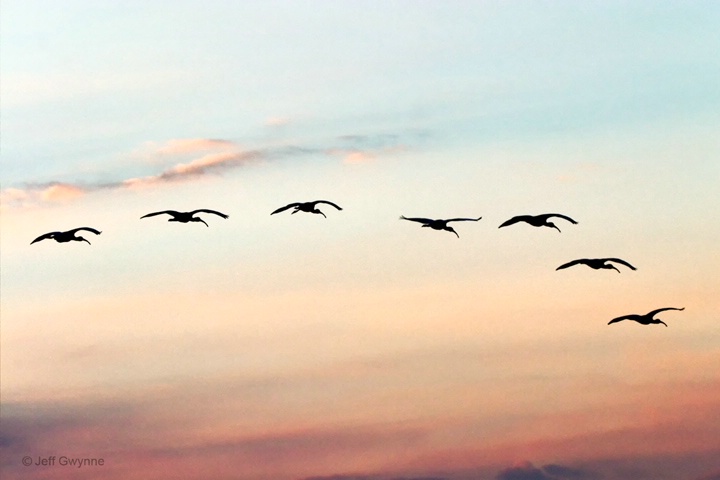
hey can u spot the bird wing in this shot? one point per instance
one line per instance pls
(570, 264)
(624, 317)
(282, 209)
(45, 236)
(514, 220)
(329, 203)
(548, 215)
(655, 312)
(208, 211)
(96, 232)
(169, 212)
(621, 261)
(463, 220)
(416, 219)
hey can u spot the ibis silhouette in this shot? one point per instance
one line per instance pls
(69, 236)
(646, 319)
(597, 263)
(538, 220)
(308, 207)
(439, 224)
(185, 217)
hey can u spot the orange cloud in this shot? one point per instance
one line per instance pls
(61, 192)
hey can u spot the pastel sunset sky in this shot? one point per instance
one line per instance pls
(360, 346)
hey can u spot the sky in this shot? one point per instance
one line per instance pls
(359, 346)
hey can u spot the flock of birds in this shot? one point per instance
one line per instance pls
(435, 224)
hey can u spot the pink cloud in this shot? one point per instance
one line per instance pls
(192, 145)
(220, 155)
(12, 195)
(355, 156)
(211, 163)
(351, 156)
(35, 195)
(61, 192)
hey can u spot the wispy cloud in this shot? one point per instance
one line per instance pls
(207, 164)
(61, 192)
(228, 157)
(53, 192)
(354, 156)
(192, 145)
(199, 157)
(351, 156)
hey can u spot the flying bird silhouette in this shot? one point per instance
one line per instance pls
(69, 236)
(440, 224)
(538, 220)
(646, 319)
(309, 207)
(597, 263)
(185, 217)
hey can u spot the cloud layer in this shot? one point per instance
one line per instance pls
(211, 157)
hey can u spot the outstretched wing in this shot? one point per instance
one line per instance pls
(655, 312)
(514, 220)
(169, 212)
(632, 316)
(282, 209)
(570, 264)
(96, 232)
(416, 219)
(463, 220)
(329, 203)
(45, 236)
(624, 317)
(205, 210)
(564, 217)
(621, 261)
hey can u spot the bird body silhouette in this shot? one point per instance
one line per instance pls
(538, 220)
(646, 319)
(68, 236)
(308, 207)
(439, 224)
(597, 263)
(185, 217)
